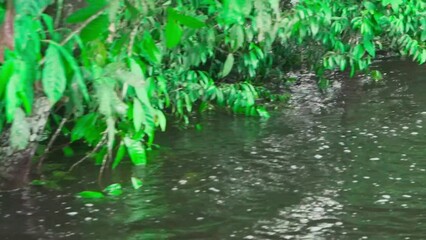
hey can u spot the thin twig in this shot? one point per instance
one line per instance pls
(132, 40)
(104, 163)
(98, 146)
(83, 25)
(60, 7)
(111, 34)
(50, 144)
(73, 33)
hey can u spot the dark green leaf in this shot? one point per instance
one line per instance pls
(68, 151)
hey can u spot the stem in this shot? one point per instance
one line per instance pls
(50, 144)
(98, 146)
(104, 163)
(59, 13)
(132, 40)
(83, 25)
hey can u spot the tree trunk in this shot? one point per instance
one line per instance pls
(15, 164)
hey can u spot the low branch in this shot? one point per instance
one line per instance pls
(50, 144)
(83, 25)
(98, 146)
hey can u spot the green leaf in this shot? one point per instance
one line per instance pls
(136, 151)
(83, 14)
(48, 21)
(84, 127)
(37, 182)
(234, 11)
(314, 28)
(137, 71)
(6, 73)
(106, 96)
(77, 72)
(358, 51)
(68, 151)
(369, 5)
(149, 49)
(136, 183)
(369, 46)
(138, 114)
(114, 189)
(263, 113)
(119, 156)
(95, 29)
(32, 8)
(53, 76)
(227, 66)
(376, 75)
(173, 33)
(91, 195)
(423, 35)
(189, 21)
(20, 131)
(134, 12)
(162, 121)
(14, 86)
(394, 3)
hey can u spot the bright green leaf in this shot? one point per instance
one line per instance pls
(138, 114)
(136, 151)
(91, 195)
(119, 156)
(173, 33)
(227, 66)
(95, 29)
(114, 189)
(136, 183)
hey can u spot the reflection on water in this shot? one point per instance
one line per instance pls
(356, 172)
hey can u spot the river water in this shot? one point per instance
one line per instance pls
(357, 171)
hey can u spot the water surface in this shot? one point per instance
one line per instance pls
(357, 171)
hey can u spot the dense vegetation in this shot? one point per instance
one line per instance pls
(116, 71)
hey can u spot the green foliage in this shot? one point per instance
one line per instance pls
(350, 33)
(122, 68)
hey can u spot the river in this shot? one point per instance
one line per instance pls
(356, 171)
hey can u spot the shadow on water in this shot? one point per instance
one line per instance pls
(354, 172)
